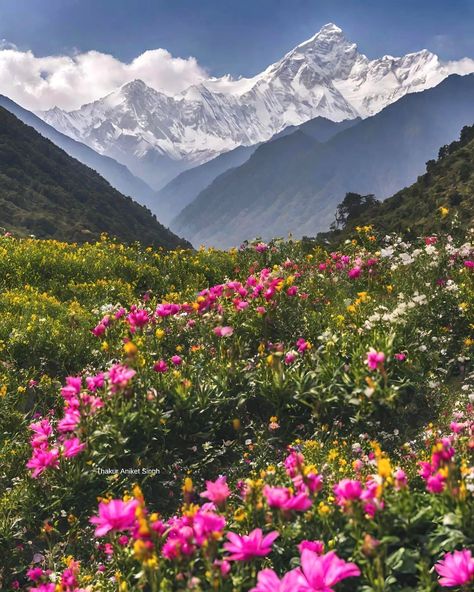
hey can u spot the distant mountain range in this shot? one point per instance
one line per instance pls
(294, 183)
(184, 188)
(46, 192)
(158, 136)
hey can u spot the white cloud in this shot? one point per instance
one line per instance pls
(68, 82)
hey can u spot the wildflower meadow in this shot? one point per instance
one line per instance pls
(283, 417)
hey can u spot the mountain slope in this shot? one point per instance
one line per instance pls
(116, 174)
(414, 211)
(184, 188)
(43, 191)
(157, 136)
(294, 184)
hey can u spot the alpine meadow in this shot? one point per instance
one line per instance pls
(236, 309)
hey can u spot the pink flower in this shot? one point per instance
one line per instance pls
(456, 569)
(34, 573)
(70, 421)
(261, 247)
(348, 490)
(400, 357)
(223, 331)
(223, 566)
(303, 345)
(207, 523)
(354, 272)
(95, 382)
(176, 360)
(400, 479)
(321, 572)
(217, 491)
(42, 431)
(315, 546)
(374, 359)
(42, 459)
(73, 447)
(161, 366)
(268, 581)
(248, 546)
(114, 515)
(290, 357)
(138, 318)
(435, 483)
(120, 376)
(98, 330)
(281, 498)
(469, 263)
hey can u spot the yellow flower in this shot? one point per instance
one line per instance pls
(130, 348)
(384, 468)
(236, 423)
(159, 333)
(240, 514)
(323, 509)
(443, 211)
(188, 485)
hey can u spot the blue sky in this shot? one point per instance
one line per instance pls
(236, 36)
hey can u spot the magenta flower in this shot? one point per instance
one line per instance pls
(176, 360)
(315, 546)
(374, 359)
(120, 376)
(73, 447)
(43, 459)
(456, 569)
(114, 515)
(268, 581)
(248, 546)
(42, 431)
(348, 490)
(435, 483)
(400, 479)
(223, 331)
(303, 345)
(321, 572)
(161, 367)
(354, 272)
(469, 263)
(34, 573)
(217, 491)
(281, 498)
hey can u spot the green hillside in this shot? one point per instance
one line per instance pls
(416, 210)
(45, 192)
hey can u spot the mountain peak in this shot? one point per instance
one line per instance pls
(325, 33)
(136, 84)
(330, 28)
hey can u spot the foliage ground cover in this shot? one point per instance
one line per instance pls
(277, 417)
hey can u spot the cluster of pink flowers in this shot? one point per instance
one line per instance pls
(431, 472)
(47, 446)
(354, 266)
(68, 579)
(318, 573)
(349, 492)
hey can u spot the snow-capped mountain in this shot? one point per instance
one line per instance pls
(157, 135)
